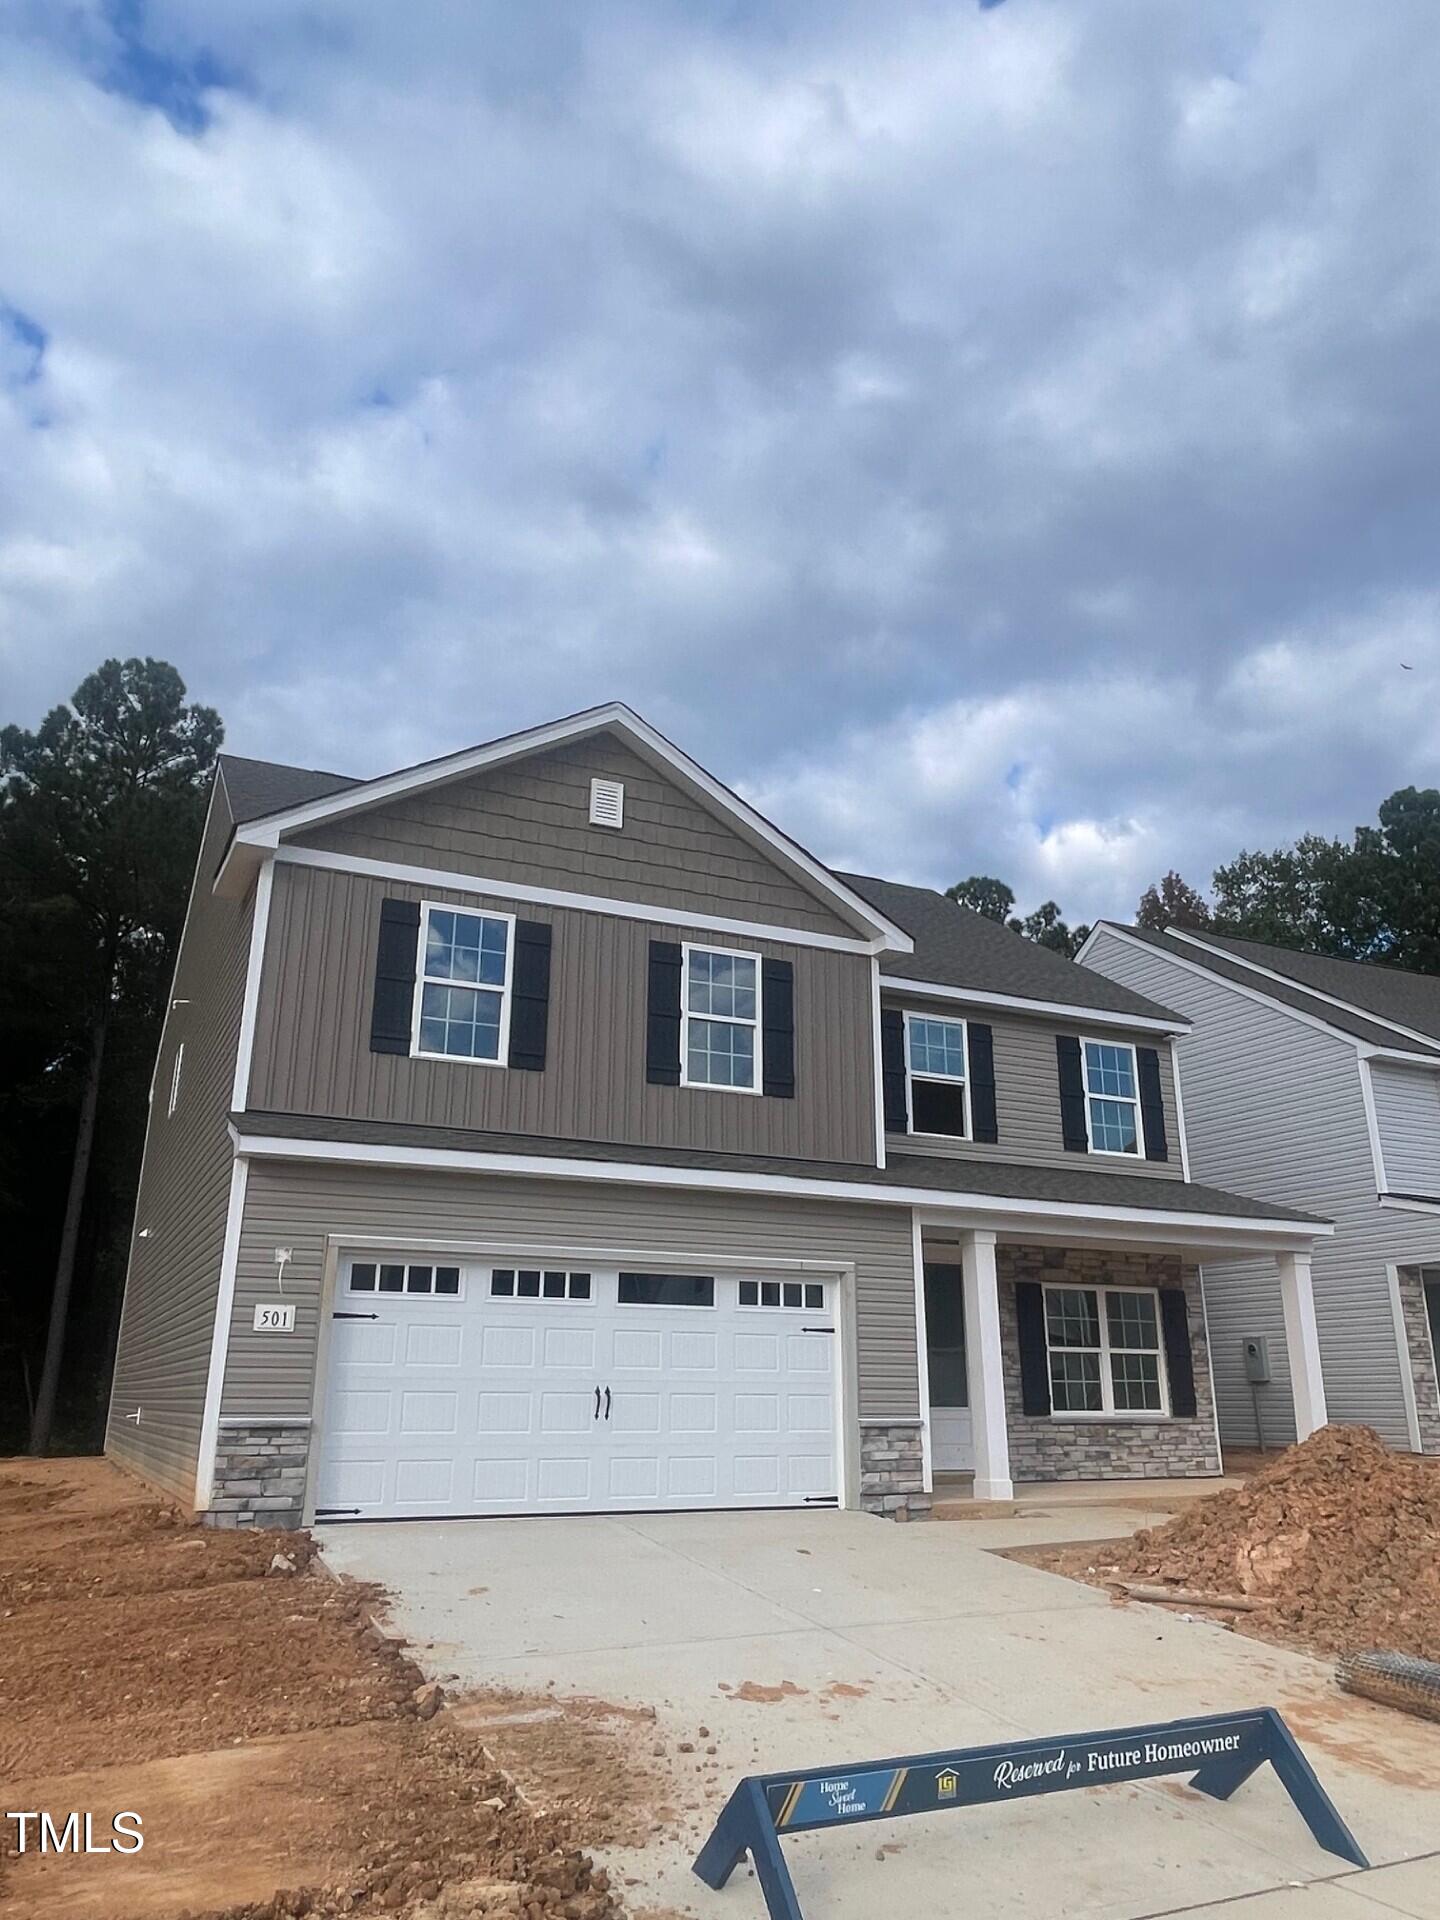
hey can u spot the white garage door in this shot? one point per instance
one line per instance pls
(472, 1389)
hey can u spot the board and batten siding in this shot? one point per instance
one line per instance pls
(162, 1358)
(1274, 1108)
(312, 1037)
(530, 822)
(1407, 1113)
(1027, 1093)
(272, 1376)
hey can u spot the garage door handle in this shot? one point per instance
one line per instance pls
(597, 1403)
(607, 1403)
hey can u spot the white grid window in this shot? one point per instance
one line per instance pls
(1105, 1351)
(1112, 1098)
(462, 998)
(720, 1017)
(936, 1089)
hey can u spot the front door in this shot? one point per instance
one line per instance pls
(950, 1433)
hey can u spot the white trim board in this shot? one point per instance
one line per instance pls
(1192, 939)
(220, 1337)
(613, 717)
(254, 964)
(1241, 1228)
(936, 990)
(485, 887)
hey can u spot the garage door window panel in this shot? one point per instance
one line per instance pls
(538, 1283)
(666, 1290)
(462, 1001)
(399, 1277)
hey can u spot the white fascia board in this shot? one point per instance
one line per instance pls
(1402, 1354)
(483, 887)
(1100, 1016)
(791, 1186)
(1257, 994)
(254, 963)
(1372, 1122)
(1302, 986)
(651, 745)
(1395, 1057)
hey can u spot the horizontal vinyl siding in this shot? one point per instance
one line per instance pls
(271, 1375)
(1407, 1109)
(530, 822)
(312, 1040)
(1275, 1108)
(1027, 1097)
(162, 1361)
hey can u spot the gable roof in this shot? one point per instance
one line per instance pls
(957, 947)
(1307, 987)
(342, 797)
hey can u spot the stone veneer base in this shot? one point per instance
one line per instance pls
(260, 1475)
(892, 1469)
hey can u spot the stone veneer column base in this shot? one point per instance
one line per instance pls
(1422, 1358)
(259, 1474)
(892, 1469)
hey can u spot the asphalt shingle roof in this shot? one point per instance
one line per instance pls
(1345, 1019)
(1411, 999)
(257, 787)
(957, 947)
(941, 1174)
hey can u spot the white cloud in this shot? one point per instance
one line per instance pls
(999, 438)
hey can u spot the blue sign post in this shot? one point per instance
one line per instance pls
(1221, 1751)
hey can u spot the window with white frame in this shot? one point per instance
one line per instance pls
(935, 1075)
(462, 997)
(175, 1072)
(1112, 1097)
(720, 1006)
(1104, 1350)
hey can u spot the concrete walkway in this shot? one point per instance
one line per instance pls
(860, 1639)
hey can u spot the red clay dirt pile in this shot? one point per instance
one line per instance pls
(1338, 1535)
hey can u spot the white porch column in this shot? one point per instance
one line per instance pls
(984, 1368)
(1302, 1343)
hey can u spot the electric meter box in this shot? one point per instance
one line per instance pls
(1257, 1359)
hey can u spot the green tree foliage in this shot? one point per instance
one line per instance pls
(1045, 927)
(1375, 897)
(100, 813)
(1172, 903)
(984, 895)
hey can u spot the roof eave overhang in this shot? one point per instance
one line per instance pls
(256, 838)
(1219, 1235)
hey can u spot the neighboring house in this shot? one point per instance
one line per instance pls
(1314, 1082)
(541, 1129)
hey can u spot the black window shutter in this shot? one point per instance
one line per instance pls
(892, 1070)
(662, 1018)
(1152, 1106)
(981, 1040)
(1072, 1094)
(394, 1001)
(1034, 1359)
(1175, 1320)
(530, 995)
(777, 1001)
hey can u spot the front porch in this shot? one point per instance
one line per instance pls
(1060, 1357)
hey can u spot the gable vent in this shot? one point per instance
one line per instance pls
(607, 803)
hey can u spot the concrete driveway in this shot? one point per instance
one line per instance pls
(825, 1639)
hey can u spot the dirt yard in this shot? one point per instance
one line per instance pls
(1334, 1546)
(270, 1736)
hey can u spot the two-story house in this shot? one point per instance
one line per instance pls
(541, 1129)
(1315, 1082)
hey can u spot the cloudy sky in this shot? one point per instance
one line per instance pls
(996, 437)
